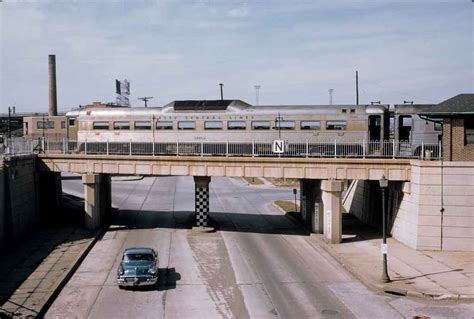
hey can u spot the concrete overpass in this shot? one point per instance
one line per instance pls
(426, 198)
(328, 172)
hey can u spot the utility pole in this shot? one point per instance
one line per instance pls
(9, 125)
(257, 94)
(222, 92)
(145, 99)
(330, 96)
(278, 125)
(357, 87)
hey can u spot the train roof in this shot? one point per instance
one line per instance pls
(402, 109)
(228, 107)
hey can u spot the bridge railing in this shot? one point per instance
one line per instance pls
(335, 149)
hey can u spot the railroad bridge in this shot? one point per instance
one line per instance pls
(321, 179)
(420, 191)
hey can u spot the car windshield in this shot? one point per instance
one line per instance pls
(138, 257)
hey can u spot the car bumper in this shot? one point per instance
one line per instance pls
(136, 281)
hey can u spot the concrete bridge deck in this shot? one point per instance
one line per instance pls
(276, 167)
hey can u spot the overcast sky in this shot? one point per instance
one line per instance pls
(295, 50)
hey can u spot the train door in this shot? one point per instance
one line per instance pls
(404, 127)
(375, 127)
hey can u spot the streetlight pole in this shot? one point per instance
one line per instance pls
(383, 185)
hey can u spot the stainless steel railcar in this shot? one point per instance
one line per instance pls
(408, 126)
(233, 121)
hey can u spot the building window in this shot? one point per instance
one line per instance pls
(186, 125)
(72, 122)
(142, 125)
(236, 125)
(122, 125)
(438, 127)
(310, 125)
(213, 125)
(100, 125)
(284, 125)
(469, 131)
(45, 125)
(336, 125)
(260, 125)
(164, 125)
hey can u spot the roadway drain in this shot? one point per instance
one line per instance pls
(330, 312)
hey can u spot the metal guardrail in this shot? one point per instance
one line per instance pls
(336, 149)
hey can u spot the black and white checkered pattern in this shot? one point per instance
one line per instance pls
(201, 203)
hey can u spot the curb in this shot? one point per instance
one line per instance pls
(68, 274)
(379, 288)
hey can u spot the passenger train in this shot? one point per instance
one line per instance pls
(236, 122)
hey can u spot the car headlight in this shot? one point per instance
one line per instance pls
(152, 271)
(120, 271)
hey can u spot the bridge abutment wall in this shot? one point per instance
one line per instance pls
(29, 198)
(434, 211)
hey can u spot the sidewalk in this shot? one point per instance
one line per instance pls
(428, 274)
(33, 271)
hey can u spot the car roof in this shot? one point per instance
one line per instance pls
(139, 250)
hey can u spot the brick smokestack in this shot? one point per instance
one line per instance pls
(53, 100)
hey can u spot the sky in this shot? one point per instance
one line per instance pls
(404, 50)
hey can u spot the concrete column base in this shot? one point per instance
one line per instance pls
(331, 198)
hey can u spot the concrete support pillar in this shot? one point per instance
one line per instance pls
(331, 197)
(310, 194)
(201, 203)
(96, 199)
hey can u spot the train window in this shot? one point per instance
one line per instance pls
(186, 125)
(406, 121)
(336, 125)
(164, 125)
(353, 110)
(100, 125)
(122, 125)
(45, 125)
(142, 125)
(213, 125)
(469, 131)
(344, 111)
(63, 124)
(260, 125)
(310, 125)
(72, 122)
(284, 125)
(236, 125)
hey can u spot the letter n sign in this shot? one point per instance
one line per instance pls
(278, 146)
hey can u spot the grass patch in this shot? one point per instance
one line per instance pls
(253, 180)
(287, 206)
(284, 182)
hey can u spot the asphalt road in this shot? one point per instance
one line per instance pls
(259, 264)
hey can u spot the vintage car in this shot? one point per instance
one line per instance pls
(139, 267)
